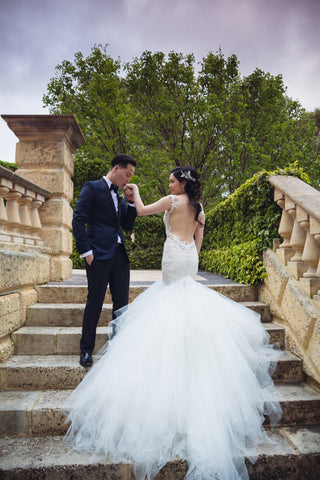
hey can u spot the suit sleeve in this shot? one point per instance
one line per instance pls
(80, 217)
(128, 216)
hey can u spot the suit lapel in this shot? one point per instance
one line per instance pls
(117, 214)
(109, 196)
(119, 206)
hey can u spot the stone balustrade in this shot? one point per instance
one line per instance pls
(20, 201)
(300, 229)
(35, 214)
(292, 286)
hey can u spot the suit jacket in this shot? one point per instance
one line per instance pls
(96, 224)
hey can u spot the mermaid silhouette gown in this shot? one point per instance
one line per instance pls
(187, 375)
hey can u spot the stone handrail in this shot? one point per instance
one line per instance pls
(300, 229)
(20, 201)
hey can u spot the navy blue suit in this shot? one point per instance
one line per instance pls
(97, 226)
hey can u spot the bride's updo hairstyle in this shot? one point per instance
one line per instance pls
(193, 186)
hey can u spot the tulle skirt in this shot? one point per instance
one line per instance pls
(187, 375)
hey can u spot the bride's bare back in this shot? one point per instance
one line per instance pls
(181, 221)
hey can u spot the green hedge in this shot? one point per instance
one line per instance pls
(241, 227)
(241, 262)
(145, 251)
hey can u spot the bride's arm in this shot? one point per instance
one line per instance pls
(157, 207)
(198, 234)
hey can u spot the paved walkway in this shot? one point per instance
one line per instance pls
(145, 277)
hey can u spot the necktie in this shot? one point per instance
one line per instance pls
(113, 187)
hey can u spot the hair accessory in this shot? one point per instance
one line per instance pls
(187, 175)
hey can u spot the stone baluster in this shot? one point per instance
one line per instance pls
(35, 219)
(12, 209)
(297, 241)
(285, 251)
(311, 253)
(4, 237)
(24, 213)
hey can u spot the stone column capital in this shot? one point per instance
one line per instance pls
(34, 128)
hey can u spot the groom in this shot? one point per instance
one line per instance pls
(98, 216)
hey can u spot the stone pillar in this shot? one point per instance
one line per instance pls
(44, 156)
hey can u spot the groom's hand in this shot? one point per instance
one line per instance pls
(128, 193)
(89, 259)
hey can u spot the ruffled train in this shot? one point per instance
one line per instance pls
(187, 375)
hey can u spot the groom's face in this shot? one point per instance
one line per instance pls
(122, 176)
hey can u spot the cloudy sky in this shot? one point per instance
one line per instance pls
(277, 36)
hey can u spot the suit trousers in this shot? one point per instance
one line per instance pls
(116, 272)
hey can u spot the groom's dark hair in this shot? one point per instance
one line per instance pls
(122, 161)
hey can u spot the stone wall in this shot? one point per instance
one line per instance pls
(295, 310)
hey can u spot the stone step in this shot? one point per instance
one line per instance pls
(63, 314)
(78, 293)
(65, 340)
(294, 456)
(37, 413)
(54, 340)
(29, 372)
(70, 314)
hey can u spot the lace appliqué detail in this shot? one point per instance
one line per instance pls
(187, 247)
(175, 203)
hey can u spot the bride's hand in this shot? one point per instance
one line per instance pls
(129, 191)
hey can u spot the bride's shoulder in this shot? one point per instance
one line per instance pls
(175, 201)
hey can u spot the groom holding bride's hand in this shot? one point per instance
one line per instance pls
(98, 216)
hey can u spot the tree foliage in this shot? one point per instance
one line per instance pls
(169, 111)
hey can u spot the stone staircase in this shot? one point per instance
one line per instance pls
(36, 381)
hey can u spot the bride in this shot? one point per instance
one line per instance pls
(187, 374)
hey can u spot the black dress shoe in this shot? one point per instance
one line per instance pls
(86, 359)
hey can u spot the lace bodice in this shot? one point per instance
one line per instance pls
(180, 258)
(175, 202)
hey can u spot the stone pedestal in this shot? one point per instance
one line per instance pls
(309, 285)
(285, 254)
(44, 156)
(296, 268)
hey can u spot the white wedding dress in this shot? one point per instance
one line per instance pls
(187, 375)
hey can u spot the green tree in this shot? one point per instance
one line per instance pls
(226, 126)
(93, 90)
(168, 111)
